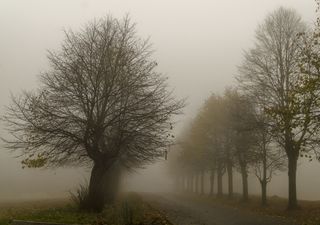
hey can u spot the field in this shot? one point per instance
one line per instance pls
(130, 209)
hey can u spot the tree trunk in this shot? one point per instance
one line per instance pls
(96, 195)
(181, 183)
(178, 183)
(264, 176)
(197, 183)
(212, 182)
(263, 192)
(112, 179)
(185, 183)
(202, 182)
(244, 175)
(292, 173)
(191, 183)
(230, 180)
(220, 174)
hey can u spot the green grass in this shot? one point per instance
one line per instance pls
(67, 214)
(130, 209)
(48, 212)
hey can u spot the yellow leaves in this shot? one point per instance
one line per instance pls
(38, 162)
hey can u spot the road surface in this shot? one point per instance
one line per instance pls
(185, 211)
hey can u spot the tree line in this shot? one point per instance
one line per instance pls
(265, 123)
(103, 104)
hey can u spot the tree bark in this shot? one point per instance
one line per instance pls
(191, 183)
(230, 180)
(202, 182)
(244, 175)
(263, 192)
(176, 183)
(212, 182)
(112, 179)
(188, 184)
(96, 195)
(181, 183)
(264, 176)
(292, 173)
(292, 155)
(220, 175)
(197, 183)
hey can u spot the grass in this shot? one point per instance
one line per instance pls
(308, 214)
(129, 210)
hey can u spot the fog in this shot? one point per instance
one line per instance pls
(198, 45)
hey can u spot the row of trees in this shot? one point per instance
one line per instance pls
(228, 133)
(272, 115)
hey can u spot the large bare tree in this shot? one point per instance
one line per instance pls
(271, 71)
(101, 102)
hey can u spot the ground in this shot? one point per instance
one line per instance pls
(167, 209)
(129, 209)
(182, 210)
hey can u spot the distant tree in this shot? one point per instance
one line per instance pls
(271, 69)
(175, 169)
(221, 137)
(243, 123)
(214, 123)
(195, 145)
(202, 147)
(101, 102)
(267, 156)
(268, 159)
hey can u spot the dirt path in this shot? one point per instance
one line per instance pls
(183, 211)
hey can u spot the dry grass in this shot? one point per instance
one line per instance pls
(308, 214)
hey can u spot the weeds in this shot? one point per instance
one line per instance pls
(80, 197)
(128, 210)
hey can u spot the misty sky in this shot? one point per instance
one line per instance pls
(198, 45)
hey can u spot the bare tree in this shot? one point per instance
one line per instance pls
(101, 102)
(271, 70)
(268, 159)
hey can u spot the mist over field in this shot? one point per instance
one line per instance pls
(198, 46)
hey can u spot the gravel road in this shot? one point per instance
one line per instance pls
(182, 211)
